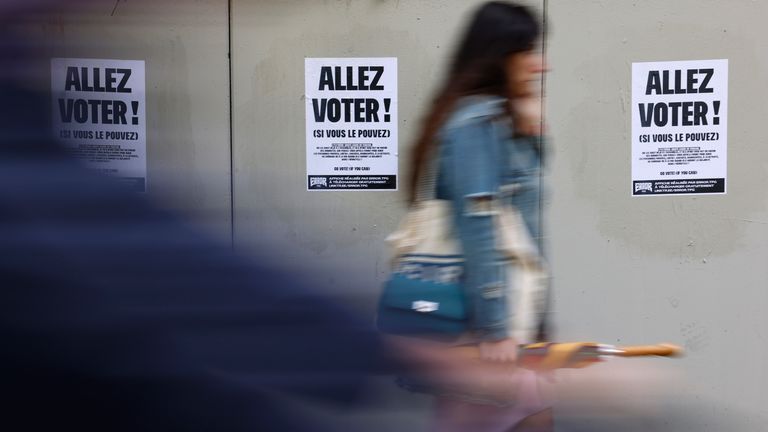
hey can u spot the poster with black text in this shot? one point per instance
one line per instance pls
(679, 127)
(351, 123)
(99, 115)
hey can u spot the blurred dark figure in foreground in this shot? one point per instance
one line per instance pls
(116, 316)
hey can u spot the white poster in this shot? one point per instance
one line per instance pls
(99, 114)
(679, 127)
(351, 111)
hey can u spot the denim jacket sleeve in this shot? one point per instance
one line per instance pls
(470, 179)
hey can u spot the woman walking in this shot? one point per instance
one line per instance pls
(482, 135)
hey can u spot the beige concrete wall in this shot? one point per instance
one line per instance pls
(688, 270)
(691, 269)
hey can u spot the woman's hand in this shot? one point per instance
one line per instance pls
(457, 369)
(504, 350)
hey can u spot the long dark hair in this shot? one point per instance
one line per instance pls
(496, 30)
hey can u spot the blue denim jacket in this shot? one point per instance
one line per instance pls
(480, 161)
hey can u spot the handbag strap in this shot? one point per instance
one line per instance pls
(427, 182)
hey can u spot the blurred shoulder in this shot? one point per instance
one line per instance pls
(474, 109)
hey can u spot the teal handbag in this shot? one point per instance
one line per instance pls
(424, 298)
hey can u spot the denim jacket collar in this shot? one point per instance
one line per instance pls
(474, 107)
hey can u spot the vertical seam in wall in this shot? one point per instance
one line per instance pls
(231, 129)
(546, 324)
(542, 160)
